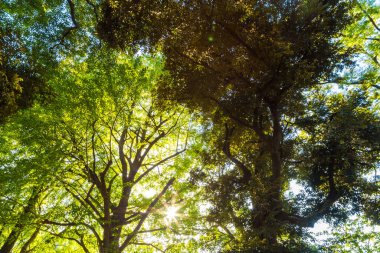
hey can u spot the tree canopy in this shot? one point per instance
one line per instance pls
(188, 126)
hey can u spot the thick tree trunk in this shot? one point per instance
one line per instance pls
(110, 245)
(274, 186)
(275, 150)
(11, 239)
(111, 236)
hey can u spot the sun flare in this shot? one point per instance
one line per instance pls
(171, 212)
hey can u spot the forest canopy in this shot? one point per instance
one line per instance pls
(189, 126)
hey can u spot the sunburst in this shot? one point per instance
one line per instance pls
(172, 211)
(171, 214)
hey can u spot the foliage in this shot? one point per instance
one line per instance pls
(364, 34)
(194, 134)
(111, 143)
(251, 66)
(357, 235)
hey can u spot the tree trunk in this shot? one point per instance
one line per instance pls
(25, 247)
(11, 239)
(17, 229)
(111, 238)
(275, 185)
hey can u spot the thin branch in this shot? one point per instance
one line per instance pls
(84, 201)
(152, 230)
(60, 235)
(368, 16)
(95, 9)
(72, 224)
(250, 49)
(148, 244)
(242, 122)
(63, 224)
(377, 39)
(158, 164)
(151, 144)
(145, 215)
(71, 28)
(123, 162)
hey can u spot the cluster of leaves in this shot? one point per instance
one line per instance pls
(357, 235)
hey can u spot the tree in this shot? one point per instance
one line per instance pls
(25, 184)
(34, 37)
(363, 34)
(111, 145)
(20, 86)
(96, 161)
(250, 66)
(25, 64)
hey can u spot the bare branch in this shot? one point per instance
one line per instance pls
(72, 224)
(80, 242)
(84, 202)
(320, 209)
(64, 224)
(123, 162)
(27, 244)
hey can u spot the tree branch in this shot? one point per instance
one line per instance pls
(71, 28)
(247, 175)
(26, 245)
(148, 244)
(368, 16)
(320, 209)
(145, 215)
(95, 9)
(158, 164)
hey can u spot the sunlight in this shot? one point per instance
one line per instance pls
(171, 214)
(150, 193)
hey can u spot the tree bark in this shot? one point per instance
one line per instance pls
(275, 184)
(27, 244)
(20, 225)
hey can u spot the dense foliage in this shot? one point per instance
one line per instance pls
(188, 126)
